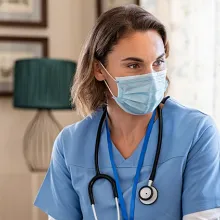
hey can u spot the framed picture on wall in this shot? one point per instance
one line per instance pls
(13, 48)
(23, 13)
(104, 5)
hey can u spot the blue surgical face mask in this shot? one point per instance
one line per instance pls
(140, 94)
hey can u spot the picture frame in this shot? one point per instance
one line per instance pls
(104, 5)
(13, 48)
(23, 13)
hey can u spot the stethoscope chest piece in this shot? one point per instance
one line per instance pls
(148, 195)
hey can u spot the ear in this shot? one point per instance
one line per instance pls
(98, 71)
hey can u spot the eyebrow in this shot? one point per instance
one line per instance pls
(139, 59)
(163, 54)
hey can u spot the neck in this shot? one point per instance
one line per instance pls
(124, 125)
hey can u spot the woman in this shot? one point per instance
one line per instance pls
(121, 80)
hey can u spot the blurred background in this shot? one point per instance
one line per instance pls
(56, 29)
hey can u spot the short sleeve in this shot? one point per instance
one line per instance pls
(201, 184)
(57, 196)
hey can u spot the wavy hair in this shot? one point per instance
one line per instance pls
(87, 93)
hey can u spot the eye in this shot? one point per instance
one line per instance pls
(158, 62)
(133, 66)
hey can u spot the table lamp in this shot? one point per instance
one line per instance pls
(42, 84)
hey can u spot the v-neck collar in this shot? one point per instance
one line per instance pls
(131, 161)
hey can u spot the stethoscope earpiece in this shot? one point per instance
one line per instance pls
(148, 195)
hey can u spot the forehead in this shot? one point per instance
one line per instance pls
(147, 45)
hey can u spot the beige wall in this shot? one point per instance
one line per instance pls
(69, 23)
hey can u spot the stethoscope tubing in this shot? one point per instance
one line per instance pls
(99, 175)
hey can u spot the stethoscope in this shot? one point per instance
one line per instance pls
(147, 194)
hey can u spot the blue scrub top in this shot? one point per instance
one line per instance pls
(187, 178)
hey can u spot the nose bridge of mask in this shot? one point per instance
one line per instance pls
(155, 76)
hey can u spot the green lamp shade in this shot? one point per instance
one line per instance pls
(43, 83)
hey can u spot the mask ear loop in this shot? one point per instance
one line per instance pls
(107, 72)
(106, 81)
(108, 88)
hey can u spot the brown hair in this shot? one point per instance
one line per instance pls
(87, 92)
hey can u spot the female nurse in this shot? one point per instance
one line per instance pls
(121, 79)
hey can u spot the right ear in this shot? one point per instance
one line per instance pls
(98, 71)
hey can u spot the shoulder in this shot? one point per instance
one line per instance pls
(192, 119)
(185, 126)
(77, 141)
(83, 127)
